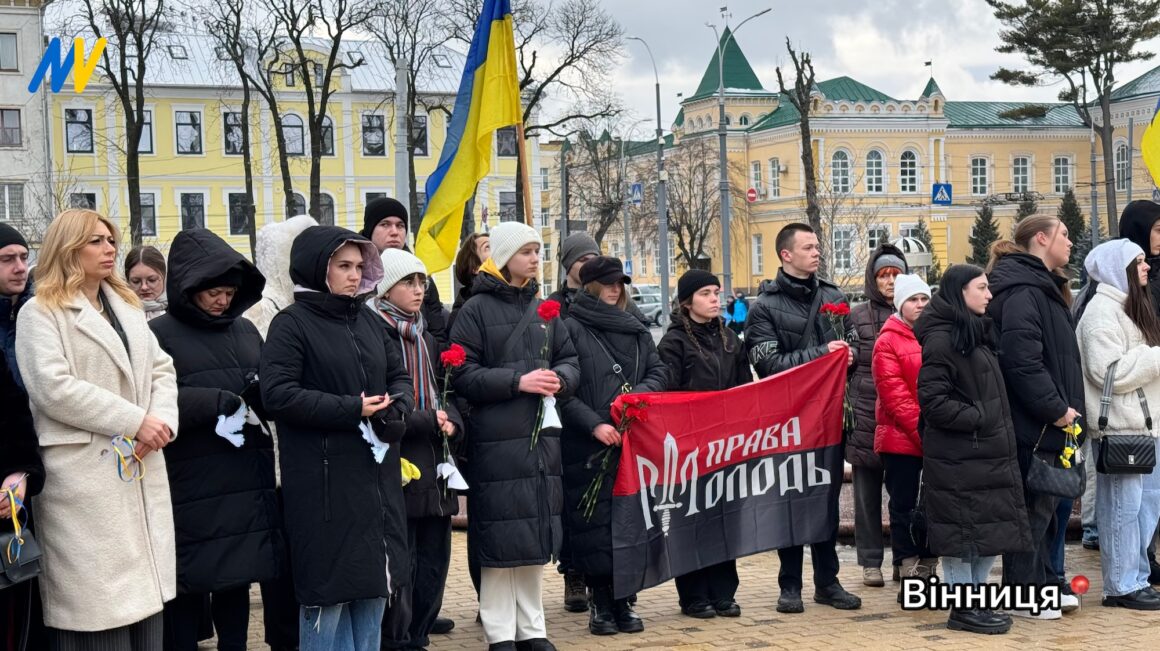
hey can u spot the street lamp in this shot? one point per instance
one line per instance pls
(722, 136)
(662, 196)
(624, 192)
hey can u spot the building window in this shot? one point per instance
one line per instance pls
(292, 134)
(908, 172)
(507, 207)
(1123, 169)
(86, 200)
(11, 201)
(616, 250)
(1061, 171)
(419, 135)
(755, 176)
(11, 134)
(149, 214)
(232, 133)
(1020, 173)
(297, 205)
(656, 258)
(374, 138)
(371, 196)
(758, 256)
(288, 74)
(547, 257)
(239, 204)
(189, 132)
(78, 126)
(327, 136)
(192, 210)
(505, 142)
(178, 52)
(326, 210)
(775, 177)
(874, 175)
(544, 178)
(908, 230)
(9, 61)
(743, 121)
(979, 181)
(145, 145)
(319, 74)
(545, 217)
(876, 236)
(843, 245)
(840, 172)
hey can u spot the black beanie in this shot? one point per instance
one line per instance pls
(692, 281)
(379, 209)
(9, 235)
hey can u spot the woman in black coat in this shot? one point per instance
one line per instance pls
(1041, 367)
(703, 355)
(515, 474)
(337, 389)
(221, 478)
(972, 488)
(430, 502)
(616, 355)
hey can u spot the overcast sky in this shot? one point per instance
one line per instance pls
(882, 44)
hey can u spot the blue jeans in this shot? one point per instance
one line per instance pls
(966, 571)
(353, 626)
(1127, 510)
(1062, 514)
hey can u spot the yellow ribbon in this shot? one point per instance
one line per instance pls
(125, 463)
(409, 470)
(15, 505)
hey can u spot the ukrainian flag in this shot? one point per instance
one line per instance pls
(1150, 147)
(488, 99)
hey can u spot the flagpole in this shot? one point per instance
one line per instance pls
(523, 165)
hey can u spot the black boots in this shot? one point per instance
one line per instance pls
(575, 593)
(978, 620)
(601, 617)
(627, 621)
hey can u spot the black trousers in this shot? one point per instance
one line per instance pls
(1033, 567)
(824, 557)
(231, 619)
(279, 607)
(407, 621)
(144, 635)
(708, 585)
(901, 476)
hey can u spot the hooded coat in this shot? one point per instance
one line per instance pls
(603, 335)
(1136, 224)
(225, 510)
(775, 334)
(867, 319)
(345, 518)
(272, 257)
(517, 492)
(1037, 349)
(972, 486)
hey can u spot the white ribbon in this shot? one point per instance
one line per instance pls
(551, 417)
(447, 470)
(230, 427)
(378, 448)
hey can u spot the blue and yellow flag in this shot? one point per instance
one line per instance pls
(488, 99)
(1150, 147)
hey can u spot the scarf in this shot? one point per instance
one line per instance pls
(416, 357)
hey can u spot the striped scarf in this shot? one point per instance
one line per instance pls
(416, 357)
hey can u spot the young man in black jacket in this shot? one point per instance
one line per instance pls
(784, 330)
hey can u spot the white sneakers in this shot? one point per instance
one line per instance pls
(1044, 614)
(1069, 602)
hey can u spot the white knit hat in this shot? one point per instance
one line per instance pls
(1108, 262)
(397, 265)
(905, 286)
(509, 237)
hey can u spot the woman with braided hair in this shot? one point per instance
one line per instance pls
(703, 355)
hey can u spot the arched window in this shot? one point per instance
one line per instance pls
(292, 133)
(840, 172)
(908, 172)
(327, 136)
(326, 210)
(728, 120)
(1123, 163)
(743, 120)
(297, 205)
(874, 171)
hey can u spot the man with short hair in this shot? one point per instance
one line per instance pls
(15, 290)
(784, 330)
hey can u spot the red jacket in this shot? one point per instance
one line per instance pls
(897, 358)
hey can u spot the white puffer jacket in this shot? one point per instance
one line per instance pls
(272, 258)
(1106, 335)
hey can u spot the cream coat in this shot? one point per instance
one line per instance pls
(1106, 334)
(109, 557)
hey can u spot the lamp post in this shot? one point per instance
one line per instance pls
(722, 136)
(624, 193)
(662, 196)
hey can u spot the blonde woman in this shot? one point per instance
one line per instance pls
(104, 400)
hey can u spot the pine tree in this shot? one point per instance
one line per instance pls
(1027, 207)
(934, 272)
(1077, 228)
(985, 233)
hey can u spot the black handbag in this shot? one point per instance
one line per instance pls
(1128, 454)
(18, 563)
(918, 522)
(1045, 478)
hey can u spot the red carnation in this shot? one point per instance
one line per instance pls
(835, 309)
(454, 356)
(548, 310)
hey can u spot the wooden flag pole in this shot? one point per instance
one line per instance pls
(523, 165)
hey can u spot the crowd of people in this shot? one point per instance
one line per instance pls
(177, 432)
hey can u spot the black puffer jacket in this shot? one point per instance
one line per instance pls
(629, 344)
(345, 517)
(972, 487)
(517, 491)
(435, 314)
(19, 448)
(867, 319)
(566, 296)
(422, 445)
(1037, 349)
(225, 511)
(703, 356)
(775, 332)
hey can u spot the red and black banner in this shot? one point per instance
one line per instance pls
(712, 476)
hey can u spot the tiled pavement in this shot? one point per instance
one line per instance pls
(880, 624)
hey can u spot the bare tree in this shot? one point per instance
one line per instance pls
(843, 211)
(318, 26)
(800, 96)
(597, 179)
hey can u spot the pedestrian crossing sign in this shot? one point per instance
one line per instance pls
(940, 194)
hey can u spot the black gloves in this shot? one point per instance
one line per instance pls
(389, 424)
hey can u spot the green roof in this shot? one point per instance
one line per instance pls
(738, 74)
(784, 115)
(1146, 84)
(845, 88)
(679, 121)
(976, 115)
(931, 88)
